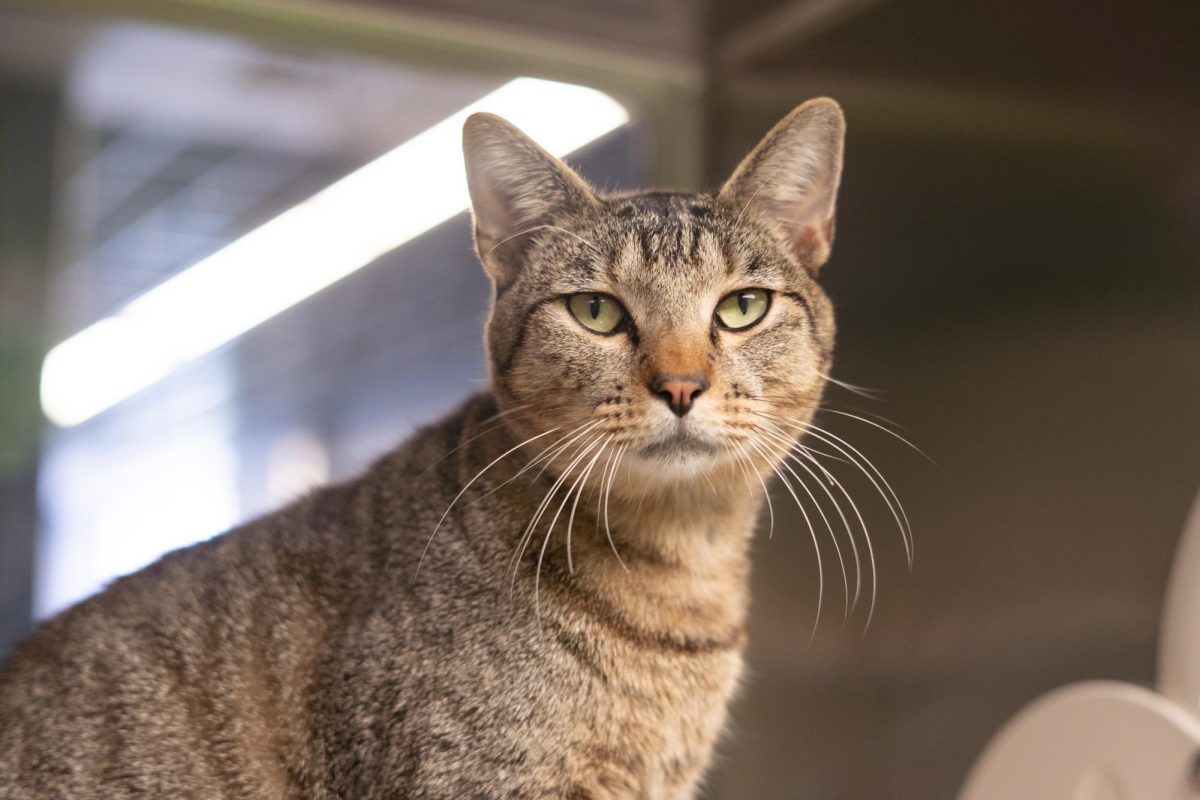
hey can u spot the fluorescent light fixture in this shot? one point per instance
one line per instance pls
(346, 226)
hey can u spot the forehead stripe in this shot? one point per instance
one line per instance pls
(507, 362)
(812, 319)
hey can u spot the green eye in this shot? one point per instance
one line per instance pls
(598, 312)
(743, 308)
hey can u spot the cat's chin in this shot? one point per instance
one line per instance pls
(681, 445)
(678, 456)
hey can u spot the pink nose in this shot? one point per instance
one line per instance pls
(679, 390)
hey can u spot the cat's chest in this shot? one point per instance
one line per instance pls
(646, 723)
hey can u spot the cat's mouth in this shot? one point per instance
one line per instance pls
(680, 444)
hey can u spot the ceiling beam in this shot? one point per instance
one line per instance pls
(789, 24)
(662, 88)
(933, 111)
(416, 36)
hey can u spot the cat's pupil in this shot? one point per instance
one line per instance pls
(594, 306)
(744, 303)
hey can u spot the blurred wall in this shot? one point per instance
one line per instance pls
(28, 107)
(1017, 271)
(1044, 348)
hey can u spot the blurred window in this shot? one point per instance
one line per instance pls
(180, 143)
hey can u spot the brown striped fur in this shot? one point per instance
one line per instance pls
(333, 650)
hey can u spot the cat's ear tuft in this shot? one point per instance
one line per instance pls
(516, 188)
(790, 180)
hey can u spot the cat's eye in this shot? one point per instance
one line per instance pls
(743, 308)
(597, 312)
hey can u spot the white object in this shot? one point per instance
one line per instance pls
(1179, 645)
(1106, 740)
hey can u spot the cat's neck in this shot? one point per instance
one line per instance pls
(704, 520)
(685, 550)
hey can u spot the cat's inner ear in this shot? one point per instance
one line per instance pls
(790, 180)
(517, 189)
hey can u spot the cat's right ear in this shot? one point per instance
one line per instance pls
(517, 188)
(790, 180)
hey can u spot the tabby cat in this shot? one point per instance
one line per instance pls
(542, 596)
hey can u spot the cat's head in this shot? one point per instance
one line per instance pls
(684, 329)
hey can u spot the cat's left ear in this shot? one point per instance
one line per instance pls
(516, 188)
(790, 180)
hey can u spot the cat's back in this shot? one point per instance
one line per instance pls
(204, 652)
(202, 669)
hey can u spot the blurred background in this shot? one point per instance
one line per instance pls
(1017, 275)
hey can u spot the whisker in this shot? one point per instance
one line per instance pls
(599, 488)
(816, 547)
(864, 465)
(866, 536)
(581, 484)
(827, 407)
(536, 228)
(550, 460)
(558, 447)
(527, 535)
(886, 430)
(818, 452)
(607, 493)
(762, 185)
(561, 477)
(468, 485)
(812, 531)
(537, 575)
(493, 419)
(789, 445)
(745, 473)
(861, 391)
(874, 572)
(637, 513)
(749, 469)
(905, 525)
